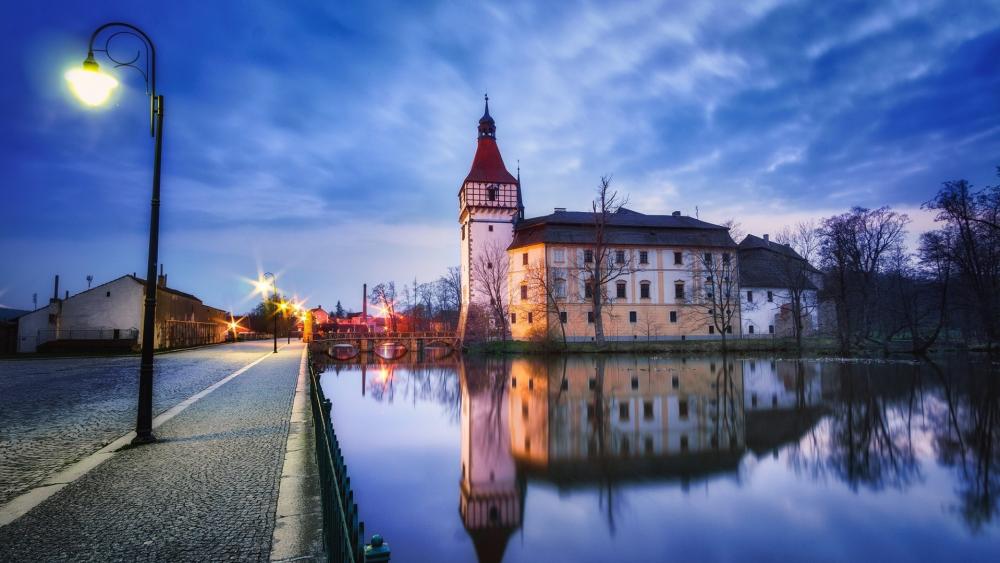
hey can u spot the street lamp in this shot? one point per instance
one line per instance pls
(274, 301)
(93, 87)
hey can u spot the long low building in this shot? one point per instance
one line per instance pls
(109, 316)
(657, 297)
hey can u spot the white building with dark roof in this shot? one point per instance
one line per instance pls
(772, 275)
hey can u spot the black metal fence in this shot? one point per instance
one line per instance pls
(344, 532)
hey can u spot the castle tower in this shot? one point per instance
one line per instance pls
(490, 204)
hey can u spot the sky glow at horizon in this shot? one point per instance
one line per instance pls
(327, 143)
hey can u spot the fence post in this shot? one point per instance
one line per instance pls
(378, 550)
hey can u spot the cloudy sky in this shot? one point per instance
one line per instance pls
(326, 141)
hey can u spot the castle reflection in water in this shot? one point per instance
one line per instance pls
(602, 421)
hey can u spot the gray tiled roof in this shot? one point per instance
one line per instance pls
(769, 264)
(624, 227)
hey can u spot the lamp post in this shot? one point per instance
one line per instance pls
(94, 87)
(274, 303)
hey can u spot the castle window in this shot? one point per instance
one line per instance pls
(679, 290)
(491, 193)
(725, 257)
(770, 297)
(711, 329)
(562, 317)
(682, 408)
(623, 411)
(590, 317)
(588, 290)
(513, 318)
(108, 294)
(632, 317)
(620, 290)
(524, 292)
(673, 316)
(770, 329)
(750, 329)
(560, 288)
(644, 290)
(643, 257)
(708, 258)
(524, 258)
(559, 255)
(647, 410)
(619, 257)
(678, 257)
(588, 256)
(749, 297)
(530, 318)
(490, 228)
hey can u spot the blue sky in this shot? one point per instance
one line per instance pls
(326, 141)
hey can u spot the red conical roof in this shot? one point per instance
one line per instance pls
(488, 165)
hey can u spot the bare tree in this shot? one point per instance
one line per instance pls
(803, 238)
(602, 264)
(854, 247)
(718, 300)
(385, 294)
(489, 276)
(970, 221)
(549, 283)
(735, 229)
(797, 287)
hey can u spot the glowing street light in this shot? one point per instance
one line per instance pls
(93, 88)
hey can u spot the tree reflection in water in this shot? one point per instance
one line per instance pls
(967, 440)
(865, 438)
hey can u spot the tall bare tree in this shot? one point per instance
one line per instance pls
(854, 248)
(547, 290)
(719, 300)
(385, 294)
(489, 277)
(602, 263)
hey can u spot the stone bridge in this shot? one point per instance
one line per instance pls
(366, 343)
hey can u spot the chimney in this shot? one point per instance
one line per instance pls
(767, 237)
(161, 281)
(67, 294)
(676, 213)
(364, 303)
(55, 292)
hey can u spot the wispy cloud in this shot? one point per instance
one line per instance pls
(294, 129)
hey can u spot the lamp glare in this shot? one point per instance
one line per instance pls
(90, 85)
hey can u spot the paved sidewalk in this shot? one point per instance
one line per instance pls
(207, 490)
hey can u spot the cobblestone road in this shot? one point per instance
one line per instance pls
(207, 490)
(56, 411)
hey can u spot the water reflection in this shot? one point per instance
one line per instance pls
(607, 425)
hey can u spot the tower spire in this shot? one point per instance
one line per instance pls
(487, 127)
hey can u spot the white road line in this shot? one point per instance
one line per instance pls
(20, 505)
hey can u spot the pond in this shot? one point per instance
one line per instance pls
(615, 458)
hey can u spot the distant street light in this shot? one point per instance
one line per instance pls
(93, 87)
